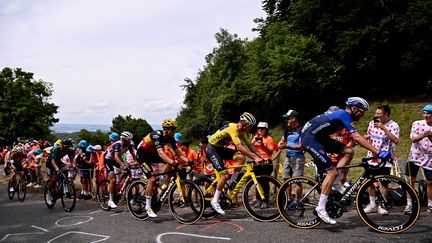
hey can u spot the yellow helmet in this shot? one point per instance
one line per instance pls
(169, 123)
(59, 143)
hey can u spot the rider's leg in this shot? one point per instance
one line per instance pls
(112, 185)
(149, 191)
(240, 160)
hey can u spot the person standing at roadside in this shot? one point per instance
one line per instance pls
(383, 134)
(420, 154)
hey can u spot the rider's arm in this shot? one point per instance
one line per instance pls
(164, 156)
(249, 151)
(363, 142)
(117, 158)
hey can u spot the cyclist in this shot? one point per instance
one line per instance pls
(54, 164)
(216, 151)
(151, 151)
(113, 160)
(316, 139)
(16, 159)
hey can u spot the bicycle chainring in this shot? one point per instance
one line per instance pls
(334, 210)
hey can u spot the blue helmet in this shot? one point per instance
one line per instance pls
(90, 149)
(83, 144)
(428, 108)
(361, 103)
(114, 136)
(37, 151)
(178, 137)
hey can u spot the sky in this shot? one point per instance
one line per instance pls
(108, 57)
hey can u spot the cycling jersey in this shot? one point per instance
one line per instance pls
(228, 133)
(56, 154)
(318, 136)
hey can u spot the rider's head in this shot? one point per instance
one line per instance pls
(358, 106)
(247, 120)
(126, 136)
(169, 126)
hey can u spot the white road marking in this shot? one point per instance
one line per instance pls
(159, 237)
(104, 237)
(73, 217)
(97, 211)
(34, 226)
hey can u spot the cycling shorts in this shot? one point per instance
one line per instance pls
(218, 154)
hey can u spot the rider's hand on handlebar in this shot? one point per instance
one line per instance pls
(384, 154)
(175, 165)
(259, 160)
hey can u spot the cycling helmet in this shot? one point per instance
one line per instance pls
(114, 136)
(58, 143)
(126, 135)
(248, 118)
(361, 103)
(67, 142)
(83, 144)
(18, 149)
(178, 137)
(169, 123)
(90, 149)
(428, 108)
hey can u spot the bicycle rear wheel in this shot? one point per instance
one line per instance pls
(136, 200)
(11, 194)
(392, 219)
(68, 195)
(102, 194)
(22, 189)
(209, 212)
(297, 199)
(262, 210)
(187, 204)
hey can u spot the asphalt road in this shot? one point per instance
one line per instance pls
(32, 221)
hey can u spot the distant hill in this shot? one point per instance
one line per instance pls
(71, 128)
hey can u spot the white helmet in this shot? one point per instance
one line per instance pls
(126, 135)
(248, 118)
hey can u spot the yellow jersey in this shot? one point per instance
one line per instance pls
(228, 133)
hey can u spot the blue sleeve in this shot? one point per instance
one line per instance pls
(343, 116)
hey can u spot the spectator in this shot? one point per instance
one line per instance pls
(383, 134)
(420, 154)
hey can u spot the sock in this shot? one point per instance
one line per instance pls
(322, 202)
(111, 196)
(148, 202)
(372, 201)
(216, 196)
(429, 202)
(409, 202)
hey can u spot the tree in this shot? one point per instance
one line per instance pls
(94, 138)
(138, 127)
(24, 105)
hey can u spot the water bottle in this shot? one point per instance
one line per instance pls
(345, 187)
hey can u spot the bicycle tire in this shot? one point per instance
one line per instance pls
(396, 221)
(68, 196)
(10, 194)
(49, 205)
(250, 196)
(208, 193)
(301, 214)
(186, 207)
(102, 194)
(22, 189)
(136, 200)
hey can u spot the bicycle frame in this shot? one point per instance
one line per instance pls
(245, 178)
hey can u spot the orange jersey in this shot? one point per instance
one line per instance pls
(269, 143)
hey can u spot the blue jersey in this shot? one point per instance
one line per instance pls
(293, 139)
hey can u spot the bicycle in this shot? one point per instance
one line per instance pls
(102, 194)
(64, 189)
(303, 215)
(19, 186)
(185, 198)
(262, 187)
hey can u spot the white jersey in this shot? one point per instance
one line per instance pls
(421, 151)
(381, 141)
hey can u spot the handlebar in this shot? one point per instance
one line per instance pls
(381, 164)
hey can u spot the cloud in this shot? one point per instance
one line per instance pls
(109, 57)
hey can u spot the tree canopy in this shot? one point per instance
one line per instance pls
(138, 127)
(308, 56)
(25, 107)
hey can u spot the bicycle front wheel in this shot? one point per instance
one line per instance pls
(22, 189)
(136, 200)
(262, 209)
(297, 199)
(186, 203)
(68, 195)
(208, 192)
(49, 202)
(391, 214)
(11, 194)
(102, 194)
